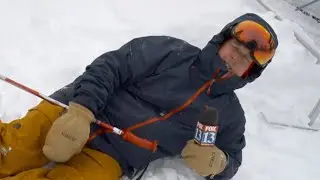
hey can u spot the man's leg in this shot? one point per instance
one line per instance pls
(21, 140)
(87, 165)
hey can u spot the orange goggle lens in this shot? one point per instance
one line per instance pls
(257, 39)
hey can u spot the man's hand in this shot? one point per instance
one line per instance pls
(68, 134)
(204, 160)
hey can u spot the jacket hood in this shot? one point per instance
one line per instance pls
(210, 60)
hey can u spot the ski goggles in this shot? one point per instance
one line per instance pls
(257, 39)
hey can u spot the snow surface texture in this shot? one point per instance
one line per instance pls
(287, 9)
(46, 44)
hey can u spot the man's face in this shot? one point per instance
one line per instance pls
(236, 56)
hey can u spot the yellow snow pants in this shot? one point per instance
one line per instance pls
(21, 143)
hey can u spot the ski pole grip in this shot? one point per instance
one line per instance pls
(144, 143)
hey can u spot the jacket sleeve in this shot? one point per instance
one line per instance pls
(115, 69)
(232, 141)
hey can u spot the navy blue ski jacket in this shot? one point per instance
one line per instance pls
(150, 76)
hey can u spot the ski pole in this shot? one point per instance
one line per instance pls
(126, 135)
(21, 86)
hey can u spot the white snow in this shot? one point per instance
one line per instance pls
(46, 44)
(287, 9)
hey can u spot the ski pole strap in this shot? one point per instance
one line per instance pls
(183, 106)
(127, 135)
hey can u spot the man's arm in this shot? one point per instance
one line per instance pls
(233, 153)
(133, 61)
(232, 141)
(221, 161)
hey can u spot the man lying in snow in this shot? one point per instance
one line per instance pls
(148, 77)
